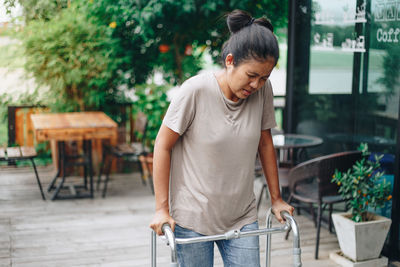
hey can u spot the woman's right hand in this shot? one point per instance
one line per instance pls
(160, 218)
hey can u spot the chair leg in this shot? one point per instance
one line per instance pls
(103, 160)
(59, 186)
(149, 168)
(90, 167)
(151, 184)
(298, 209)
(62, 161)
(330, 217)
(313, 214)
(85, 167)
(105, 185)
(37, 179)
(142, 176)
(108, 170)
(60, 146)
(318, 230)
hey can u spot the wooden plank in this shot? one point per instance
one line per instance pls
(13, 152)
(28, 151)
(101, 133)
(99, 119)
(2, 153)
(29, 128)
(75, 134)
(48, 121)
(19, 127)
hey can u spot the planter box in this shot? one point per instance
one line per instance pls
(361, 241)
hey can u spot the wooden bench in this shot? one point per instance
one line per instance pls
(21, 153)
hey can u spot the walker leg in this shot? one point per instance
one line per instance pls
(268, 244)
(296, 238)
(296, 242)
(153, 249)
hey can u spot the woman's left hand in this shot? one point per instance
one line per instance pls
(278, 206)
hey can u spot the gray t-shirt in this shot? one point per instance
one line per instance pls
(212, 163)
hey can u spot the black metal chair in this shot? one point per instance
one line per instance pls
(11, 154)
(310, 183)
(127, 151)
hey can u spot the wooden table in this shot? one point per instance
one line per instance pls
(75, 126)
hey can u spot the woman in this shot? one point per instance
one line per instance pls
(208, 144)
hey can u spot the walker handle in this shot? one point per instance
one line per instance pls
(167, 231)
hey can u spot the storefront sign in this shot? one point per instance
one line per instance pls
(388, 36)
(387, 11)
(386, 15)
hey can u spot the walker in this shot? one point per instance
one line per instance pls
(171, 241)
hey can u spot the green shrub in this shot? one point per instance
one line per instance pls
(361, 187)
(75, 57)
(37, 9)
(153, 102)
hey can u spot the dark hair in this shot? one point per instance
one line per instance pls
(250, 38)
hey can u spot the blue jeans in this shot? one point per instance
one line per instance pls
(244, 251)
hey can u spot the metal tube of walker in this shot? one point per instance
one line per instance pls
(231, 235)
(153, 249)
(268, 240)
(296, 238)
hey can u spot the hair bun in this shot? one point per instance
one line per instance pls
(237, 20)
(265, 22)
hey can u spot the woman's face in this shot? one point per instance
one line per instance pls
(246, 78)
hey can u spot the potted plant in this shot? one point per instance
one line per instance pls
(153, 102)
(361, 234)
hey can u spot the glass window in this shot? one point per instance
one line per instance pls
(353, 89)
(333, 43)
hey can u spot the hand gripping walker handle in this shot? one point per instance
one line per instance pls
(169, 236)
(166, 229)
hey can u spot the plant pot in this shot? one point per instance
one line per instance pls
(363, 240)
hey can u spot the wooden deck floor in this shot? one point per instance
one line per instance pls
(104, 232)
